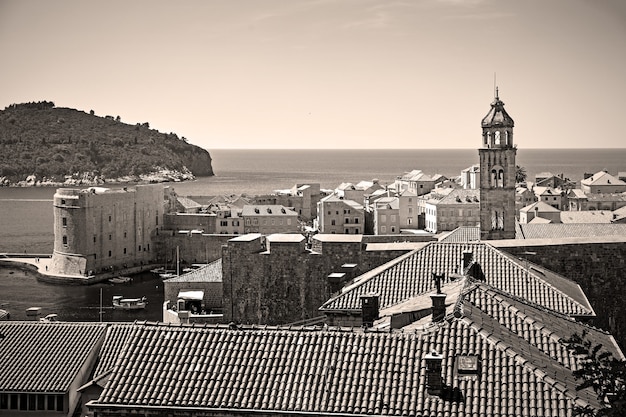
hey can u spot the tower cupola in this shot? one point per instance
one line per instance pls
(497, 126)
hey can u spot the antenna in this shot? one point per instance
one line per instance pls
(495, 89)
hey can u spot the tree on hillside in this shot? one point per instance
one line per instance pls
(520, 174)
(600, 371)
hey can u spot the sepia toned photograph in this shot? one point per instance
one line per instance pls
(349, 208)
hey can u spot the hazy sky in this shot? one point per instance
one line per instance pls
(327, 73)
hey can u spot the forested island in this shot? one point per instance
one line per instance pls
(41, 144)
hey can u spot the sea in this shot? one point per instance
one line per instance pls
(26, 216)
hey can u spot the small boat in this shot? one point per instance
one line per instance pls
(120, 280)
(129, 303)
(50, 318)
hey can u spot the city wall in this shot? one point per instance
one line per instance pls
(287, 281)
(598, 265)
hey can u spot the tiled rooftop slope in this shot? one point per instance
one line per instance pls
(345, 372)
(411, 275)
(44, 357)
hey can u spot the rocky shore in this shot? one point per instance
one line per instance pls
(94, 179)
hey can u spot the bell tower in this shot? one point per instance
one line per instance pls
(497, 174)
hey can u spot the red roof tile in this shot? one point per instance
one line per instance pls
(44, 357)
(411, 275)
(339, 372)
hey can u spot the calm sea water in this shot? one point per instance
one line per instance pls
(26, 219)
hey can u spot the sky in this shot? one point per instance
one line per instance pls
(345, 74)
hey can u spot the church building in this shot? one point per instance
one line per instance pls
(497, 174)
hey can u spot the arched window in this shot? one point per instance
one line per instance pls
(497, 137)
(497, 177)
(508, 137)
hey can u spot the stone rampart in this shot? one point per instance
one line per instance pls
(288, 282)
(598, 265)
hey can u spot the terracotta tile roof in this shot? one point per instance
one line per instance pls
(44, 357)
(206, 273)
(462, 234)
(411, 275)
(567, 230)
(602, 178)
(267, 210)
(116, 336)
(589, 216)
(339, 372)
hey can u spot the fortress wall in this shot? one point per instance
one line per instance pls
(108, 228)
(597, 265)
(286, 283)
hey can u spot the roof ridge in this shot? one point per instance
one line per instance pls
(527, 363)
(509, 258)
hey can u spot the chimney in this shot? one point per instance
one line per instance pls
(439, 300)
(468, 257)
(369, 309)
(434, 381)
(335, 281)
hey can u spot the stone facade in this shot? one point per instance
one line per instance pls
(101, 229)
(596, 264)
(278, 280)
(497, 174)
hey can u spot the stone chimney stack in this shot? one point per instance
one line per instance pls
(468, 257)
(434, 381)
(439, 300)
(369, 309)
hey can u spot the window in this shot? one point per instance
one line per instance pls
(409, 220)
(62, 201)
(235, 222)
(94, 238)
(124, 251)
(332, 222)
(347, 220)
(109, 254)
(356, 220)
(393, 229)
(124, 235)
(247, 222)
(383, 229)
(64, 220)
(109, 218)
(383, 217)
(393, 217)
(139, 248)
(223, 222)
(65, 240)
(288, 222)
(109, 237)
(410, 210)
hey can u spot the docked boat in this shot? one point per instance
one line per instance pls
(122, 303)
(50, 318)
(120, 280)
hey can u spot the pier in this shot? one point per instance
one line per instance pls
(40, 266)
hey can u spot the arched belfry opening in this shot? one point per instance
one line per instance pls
(497, 173)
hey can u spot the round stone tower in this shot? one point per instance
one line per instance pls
(497, 174)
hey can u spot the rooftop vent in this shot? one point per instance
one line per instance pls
(369, 309)
(434, 381)
(256, 210)
(282, 210)
(269, 210)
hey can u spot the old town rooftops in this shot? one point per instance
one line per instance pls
(45, 357)
(339, 371)
(411, 275)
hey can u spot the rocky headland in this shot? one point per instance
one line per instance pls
(44, 145)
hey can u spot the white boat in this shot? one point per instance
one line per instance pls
(122, 303)
(120, 280)
(50, 318)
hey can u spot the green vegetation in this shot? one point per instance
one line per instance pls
(51, 142)
(601, 372)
